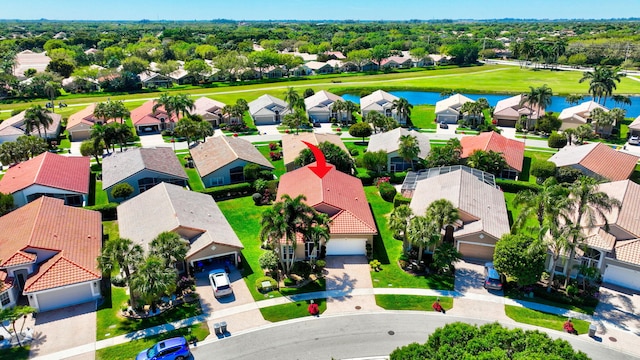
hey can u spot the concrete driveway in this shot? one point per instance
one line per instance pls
(345, 274)
(62, 329)
(619, 306)
(469, 280)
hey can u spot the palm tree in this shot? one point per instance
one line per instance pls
(398, 223)
(283, 222)
(574, 99)
(403, 109)
(545, 204)
(350, 107)
(293, 99)
(422, 233)
(30, 146)
(601, 119)
(51, 89)
(38, 117)
(121, 253)
(338, 107)
(584, 132)
(444, 256)
(12, 315)
(569, 134)
(442, 212)
(204, 129)
(170, 247)
(295, 119)
(602, 81)
(168, 103)
(587, 204)
(102, 111)
(538, 99)
(558, 242)
(183, 103)
(621, 99)
(473, 110)
(121, 133)
(117, 110)
(409, 148)
(99, 134)
(187, 128)
(318, 232)
(153, 279)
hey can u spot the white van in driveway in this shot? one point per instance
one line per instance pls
(634, 140)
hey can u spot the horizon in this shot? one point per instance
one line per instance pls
(329, 10)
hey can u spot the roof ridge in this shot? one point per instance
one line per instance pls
(173, 208)
(60, 258)
(37, 217)
(231, 147)
(357, 217)
(44, 157)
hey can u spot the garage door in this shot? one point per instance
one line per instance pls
(624, 277)
(64, 297)
(264, 120)
(470, 250)
(80, 135)
(346, 247)
(449, 119)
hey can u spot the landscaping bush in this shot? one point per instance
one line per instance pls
(543, 170)
(387, 191)
(122, 191)
(320, 264)
(572, 290)
(251, 171)
(269, 260)
(260, 280)
(557, 141)
(514, 186)
(354, 152)
(118, 281)
(273, 146)
(257, 198)
(302, 269)
(397, 177)
(366, 179)
(568, 175)
(400, 200)
(229, 191)
(108, 211)
(275, 155)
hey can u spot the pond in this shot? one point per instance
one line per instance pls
(558, 103)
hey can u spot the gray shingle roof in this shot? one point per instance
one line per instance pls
(219, 151)
(390, 141)
(119, 166)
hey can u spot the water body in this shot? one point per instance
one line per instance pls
(558, 103)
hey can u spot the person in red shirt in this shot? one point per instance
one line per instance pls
(313, 309)
(437, 307)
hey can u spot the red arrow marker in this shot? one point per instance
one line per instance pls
(321, 169)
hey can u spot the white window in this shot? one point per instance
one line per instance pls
(4, 298)
(287, 249)
(217, 181)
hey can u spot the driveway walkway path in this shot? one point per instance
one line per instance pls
(346, 274)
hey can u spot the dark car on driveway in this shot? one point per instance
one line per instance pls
(492, 278)
(443, 125)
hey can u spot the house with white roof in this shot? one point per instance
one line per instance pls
(574, 116)
(14, 127)
(320, 107)
(210, 110)
(28, 59)
(379, 101)
(448, 110)
(508, 111)
(634, 127)
(268, 110)
(317, 67)
(389, 142)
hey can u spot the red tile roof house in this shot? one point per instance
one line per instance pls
(48, 174)
(79, 124)
(597, 160)
(48, 253)
(146, 120)
(342, 198)
(142, 169)
(512, 150)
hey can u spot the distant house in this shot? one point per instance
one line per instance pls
(480, 203)
(210, 110)
(634, 127)
(395, 62)
(14, 127)
(142, 168)
(389, 142)
(379, 101)
(268, 110)
(512, 150)
(48, 255)
(597, 160)
(342, 198)
(79, 125)
(28, 59)
(150, 78)
(336, 55)
(194, 216)
(448, 110)
(574, 116)
(292, 145)
(320, 107)
(221, 160)
(146, 120)
(317, 67)
(48, 174)
(508, 111)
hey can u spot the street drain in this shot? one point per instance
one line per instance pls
(391, 332)
(612, 339)
(358, 307)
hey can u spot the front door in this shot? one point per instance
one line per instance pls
(21, 276)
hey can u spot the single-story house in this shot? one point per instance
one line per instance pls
(342, 198)
(14, 127)
(221, 160)
(79, 124)
(574, 116)
(480, 203)
(142, 168)
(394, 62)
(317, 67)
(151, 78)
(389, 142)
(512, 150)
(597, 160)
(268, 110)
(292, 145)
(320, 107)
(634, 127)
(28, 59)
(336, 55)
(194, 216)
(146, 120)
(508, 111)
(210, 110)
(48, 174)
(48, 254)
(380, 101)
(448, 110)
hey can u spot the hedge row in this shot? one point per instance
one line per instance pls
(108, 211)
(514, 186)
(229, 191)
(394, 178)
(400, 200)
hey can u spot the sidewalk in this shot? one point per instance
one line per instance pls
(626, 338)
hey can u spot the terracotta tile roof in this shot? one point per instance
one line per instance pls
(219, 151)
(337, 194)
(6, 282)
(18, 258)
(511, 150)
(83, 116)
(628, 251)
(292, 144)
(597, 158)
(627, 217)
(144, 115)
(119, 166)
(599, 239)
(72, 235)
(47, 169)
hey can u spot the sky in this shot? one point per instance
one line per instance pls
(316, 9)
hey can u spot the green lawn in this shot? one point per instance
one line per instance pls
(359, 145)
(291, 311)
(15, 353)
(530, 158)
(130, 349)
(412, 302)
(110, 323)
(195, 182)
(277, 164)
(545, 320)
(111, 229)
(101, 196)
(387, 250)
(423, 116)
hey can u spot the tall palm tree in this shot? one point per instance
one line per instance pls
(167, 102)
(621, 99)
(51, 88)
(170, 247)
(350, 107)
(204, 129)
(183, 103)
(409, 148)
(153, 279)
(574, 99)
(338, 107)
(422, 233)
(295, 119)
(398, 223)
(538, 99)
(123, 254)
(601, 119)
(442, 212)
(293, 99)
(473, 110)
(102, 111)
(117, 110)
(587, 204)
(318, 232)
(545, 205)
(602, 81)
(121, 133)
(282, 223)
(559, 242)
(403, 108)
(39, 117)
(187, 128)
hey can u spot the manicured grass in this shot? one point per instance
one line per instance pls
(111, 229)
(387, 250)
(109, 321)
(277, 164)
(65, 143)
(318, 285)
(423, 116)
(101, 196)
(130, 349)
(358, 145)
(244, 217)
(412, 302)
(530, 158)
(545, 320)
(15, 353)
(291, 311)
(195, 182)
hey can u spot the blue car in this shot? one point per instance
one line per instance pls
(170, 349)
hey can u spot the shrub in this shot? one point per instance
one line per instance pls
(273, 146)
(260, 280)
(118, 281)
(108, 211)
(257, 198)
(572, 290)
(400, 200)
(122, 191)
(354, 152)
(568, 175)
(387, 192)
(229, 191)
(375, 265)
(251, 171)
(320, 264)
(397, 177)
(543, 170)
(366, 179)
(557, 141)
(514, 186)
(302, 269)
(275, 155)
(269, 260)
